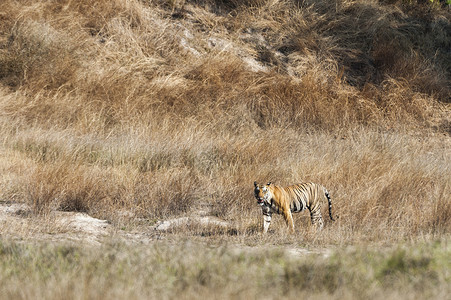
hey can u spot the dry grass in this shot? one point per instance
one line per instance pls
(191, 270)
(142, 111)
(159, 107)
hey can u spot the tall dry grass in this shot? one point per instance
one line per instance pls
(160, 107)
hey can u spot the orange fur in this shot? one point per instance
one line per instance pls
(294, 198)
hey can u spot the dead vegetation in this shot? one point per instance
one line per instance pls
(158, 108)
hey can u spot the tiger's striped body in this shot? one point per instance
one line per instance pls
(292, 199)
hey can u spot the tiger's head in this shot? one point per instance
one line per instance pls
(262, 193)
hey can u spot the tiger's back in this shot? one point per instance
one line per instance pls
(300, 196)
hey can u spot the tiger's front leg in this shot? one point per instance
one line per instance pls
(266, 218)
(288, 219)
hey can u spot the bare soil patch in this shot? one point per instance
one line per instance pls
(17, 221)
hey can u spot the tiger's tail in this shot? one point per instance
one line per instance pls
(330, 204)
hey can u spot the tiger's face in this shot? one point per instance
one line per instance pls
(262, 193)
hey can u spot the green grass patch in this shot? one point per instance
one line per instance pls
(169, 269)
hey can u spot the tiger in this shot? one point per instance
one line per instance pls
(291, 199)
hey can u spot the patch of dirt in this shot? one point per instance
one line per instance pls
(18, 222)
(187, 221)
(8, 211)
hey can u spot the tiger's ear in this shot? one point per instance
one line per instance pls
(255, 183)
(269, 183)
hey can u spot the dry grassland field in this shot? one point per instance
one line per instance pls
(132, 131)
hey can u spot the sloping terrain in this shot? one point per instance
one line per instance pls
(138, 112)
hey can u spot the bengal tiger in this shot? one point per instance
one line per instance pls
(291, 199)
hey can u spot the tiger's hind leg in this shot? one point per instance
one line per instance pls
(317, 219)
